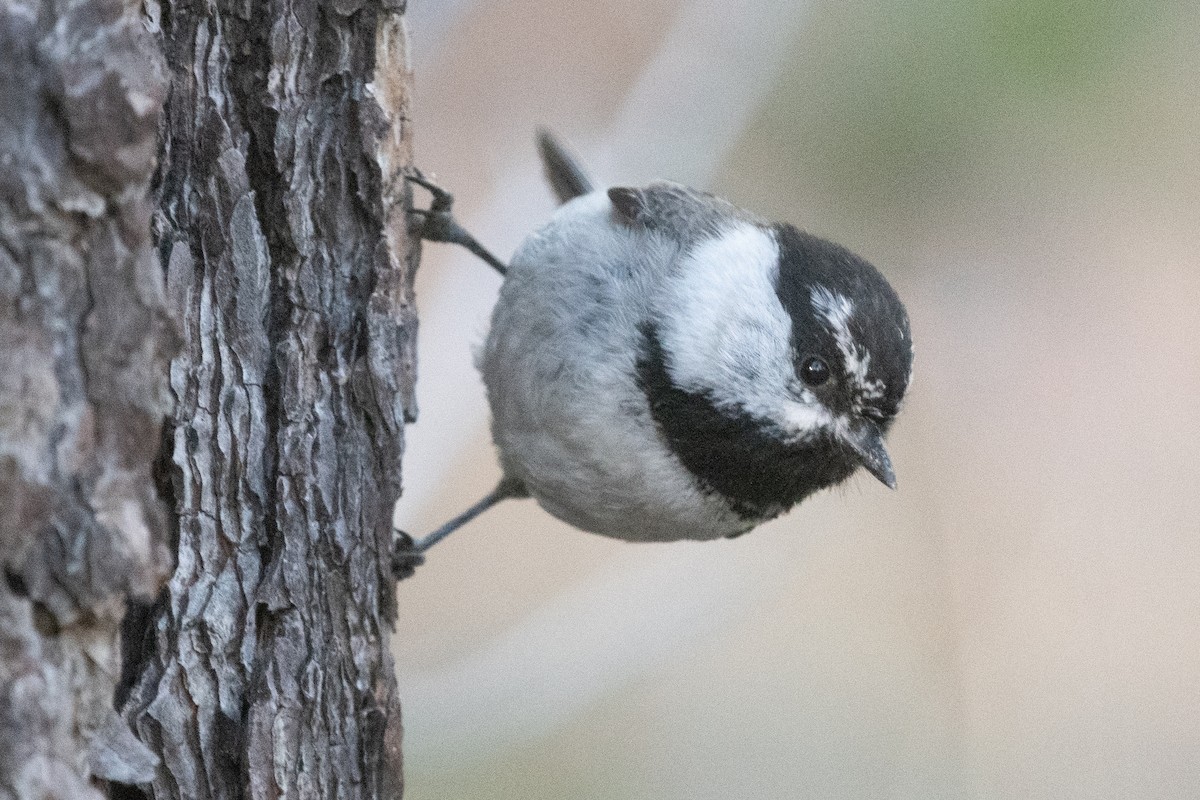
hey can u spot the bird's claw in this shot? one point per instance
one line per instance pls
(438, 223)
(441, 200)
(405, 555)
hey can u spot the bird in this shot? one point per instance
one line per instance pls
(664, 365)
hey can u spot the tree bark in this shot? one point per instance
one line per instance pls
(264, 668)
(84, 344)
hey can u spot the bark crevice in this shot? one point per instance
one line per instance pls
(287, 257)
(85, 337)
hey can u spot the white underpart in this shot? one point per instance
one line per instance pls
(836, 309)
(725, 331)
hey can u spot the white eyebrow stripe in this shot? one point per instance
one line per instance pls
(837, 309)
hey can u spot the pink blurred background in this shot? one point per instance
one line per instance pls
(1021, 619)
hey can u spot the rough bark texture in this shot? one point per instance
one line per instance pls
(264, 670)
(84, 346)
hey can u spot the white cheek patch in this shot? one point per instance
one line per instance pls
(836, 309)
(722, 322)
(726, 332)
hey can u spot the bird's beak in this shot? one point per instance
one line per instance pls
(867, 443)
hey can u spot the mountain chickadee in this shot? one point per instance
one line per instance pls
(663, 365)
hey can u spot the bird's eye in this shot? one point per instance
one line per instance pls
(814, 371)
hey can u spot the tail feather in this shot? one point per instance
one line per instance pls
(566, 176)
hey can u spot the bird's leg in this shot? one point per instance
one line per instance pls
(409, 553)
(439, 224)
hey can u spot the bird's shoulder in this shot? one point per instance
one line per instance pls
(675, 210)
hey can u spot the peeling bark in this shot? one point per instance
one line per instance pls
(84, 345)
(264, 668)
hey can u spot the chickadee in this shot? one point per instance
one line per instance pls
(664, 365)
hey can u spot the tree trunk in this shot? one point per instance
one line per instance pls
(264, 668)
(84, 345)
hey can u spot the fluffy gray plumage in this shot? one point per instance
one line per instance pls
(565, 364)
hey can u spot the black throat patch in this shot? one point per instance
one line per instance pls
(740, 457)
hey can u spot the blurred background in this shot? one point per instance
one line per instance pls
(1021, 619)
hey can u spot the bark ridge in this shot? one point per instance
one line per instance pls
(265, 669)
(84, 343)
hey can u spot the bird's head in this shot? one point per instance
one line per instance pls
(782, 360)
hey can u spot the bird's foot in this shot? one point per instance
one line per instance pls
(406, 555)
(438, 223)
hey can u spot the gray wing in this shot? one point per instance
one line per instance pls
(566, 176)
(677, 211)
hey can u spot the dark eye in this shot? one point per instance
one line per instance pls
(814, 371)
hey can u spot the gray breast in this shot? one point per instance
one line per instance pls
(569, 419)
